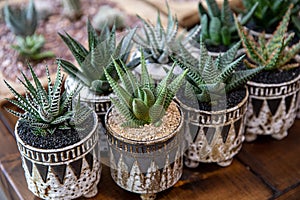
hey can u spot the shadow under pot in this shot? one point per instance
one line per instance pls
(64, 173)
(148, 159)
(214, 136)
(272, 108)
(100, 103)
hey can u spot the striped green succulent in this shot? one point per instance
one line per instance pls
(274, 53)
(159, 43)
(142, 102)
(92, 62)
(211, 79)
(217, 25)
(46, 111)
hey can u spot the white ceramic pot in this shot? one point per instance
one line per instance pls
(64, 173)
(272, 108)
(99, 103)
(214, 136)
(156, 70)
(146, 167)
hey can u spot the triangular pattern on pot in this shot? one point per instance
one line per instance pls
(144, 163)
(224, 132)
(43, 171)
(60, 172)
(89, 159)
(257, 104)
(297, 96)
(209, 133)
(97, 149)
(273, 105)
(112, 161)
(29, 165)
(237, 126)
(135, 174)
(288, 103)
(76, 167)
(193, 130)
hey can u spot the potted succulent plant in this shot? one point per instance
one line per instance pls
(273, 92)
(159, 44)
(92, 62)
(57, 140)
(144, 132)
(267, 15)
(218, 30)
(23, 23)
(214, 103)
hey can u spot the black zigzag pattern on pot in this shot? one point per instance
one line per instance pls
(272, 108)
(214, 136)
(60, 170)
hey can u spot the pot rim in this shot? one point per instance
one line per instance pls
(268, 85)
(95, 126)
(96, 97)
(223, 111)
(139, 142)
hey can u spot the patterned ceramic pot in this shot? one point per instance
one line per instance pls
(146, 167)
(98, 102)
(272, 108)
(64, 173)
(214, 136)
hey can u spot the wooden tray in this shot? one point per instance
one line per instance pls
(266, 169)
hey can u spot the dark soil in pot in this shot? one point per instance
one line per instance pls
(219, 48)
(59, 139)
(276, 76)
(213, 48)
(253, 26)
(232, 99)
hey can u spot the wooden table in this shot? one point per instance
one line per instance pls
(265, 169)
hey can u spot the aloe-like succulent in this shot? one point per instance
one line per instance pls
(217, 25)
(46, 111)
(274, 53)
(22, 21)
(98, 57)
(159, 43)
(30, 47)
(141, 102)
(269, 12)
(209, 79)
